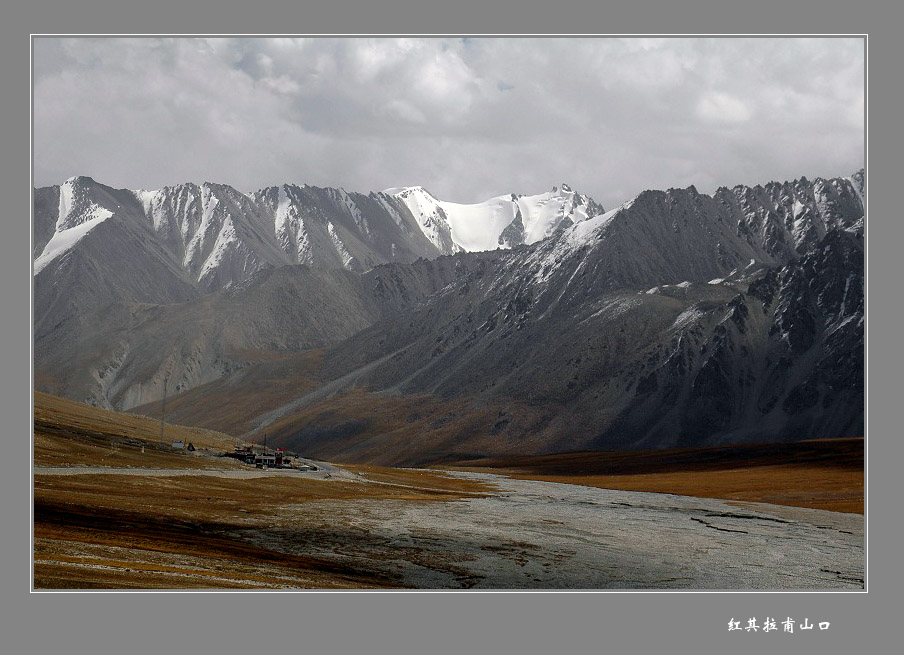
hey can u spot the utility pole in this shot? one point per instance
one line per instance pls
(163, 410)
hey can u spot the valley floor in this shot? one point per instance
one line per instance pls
(818, 474)
(114, 506)
(386, 528)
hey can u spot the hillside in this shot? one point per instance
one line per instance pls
(677, 319)
(67, 433)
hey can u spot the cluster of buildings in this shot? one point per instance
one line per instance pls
(262, 457)
(256, 455)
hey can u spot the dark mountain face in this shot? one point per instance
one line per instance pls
(753, 358)
(677, 319)
(114, 261)
(119, 355)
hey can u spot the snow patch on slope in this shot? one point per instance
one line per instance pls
(303, 245)
(76, 217)
(688, 316)
(352, 208)
(571, 240)
(195, 247)
(393, 213)
(340, 247)
(428, 213)
(542, 214)
(225, 239)
(62, 241)
(614, 308)
(283, 209)
(66, 202)
(148, 200)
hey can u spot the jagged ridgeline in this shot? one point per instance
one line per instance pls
(523, 324)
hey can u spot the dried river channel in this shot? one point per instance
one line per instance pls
(543, 535)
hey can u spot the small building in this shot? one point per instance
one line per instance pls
(261, 456)
(177, 445)
(265, 460)
(191, 447)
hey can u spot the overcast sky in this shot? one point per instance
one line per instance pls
(466, 118)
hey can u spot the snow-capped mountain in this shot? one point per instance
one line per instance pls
(94, 245)
(682, 235)
(332, 228)
(787, 218)
(677, 318)
(224, 236)
(77, 215)
(183, 241)
(219, 236)
(666, 322)
(503, 221)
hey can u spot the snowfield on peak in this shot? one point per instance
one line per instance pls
(503, 221)
(478, 226)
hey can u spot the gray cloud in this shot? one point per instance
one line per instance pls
(467, 118)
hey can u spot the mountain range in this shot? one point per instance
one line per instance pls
(398, 328)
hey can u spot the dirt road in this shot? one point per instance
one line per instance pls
(324, 471)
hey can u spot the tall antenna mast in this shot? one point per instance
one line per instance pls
(163, 409)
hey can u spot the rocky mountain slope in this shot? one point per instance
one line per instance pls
(119, 355)
(94, 245)
(589, 357)
(676, 319)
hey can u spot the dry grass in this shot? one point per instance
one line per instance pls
(357, 426)
(231, 403)
(202, 531)
(212, 498)
(820, 474)
(354, 425)
(84, 546)
(197, 531)
(837, 491)
(71, 434)
(67, 433)
(190, 531)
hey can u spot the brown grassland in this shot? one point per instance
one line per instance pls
(188, 531)
(197, 530)
(183, 532)
(68, 433)
(821, 474)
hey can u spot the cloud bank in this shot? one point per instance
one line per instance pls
(466, 118)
